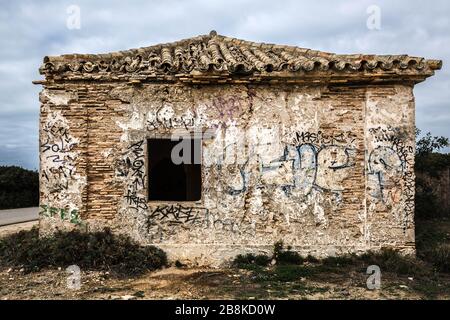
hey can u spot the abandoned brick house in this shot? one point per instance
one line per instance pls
(312, 148)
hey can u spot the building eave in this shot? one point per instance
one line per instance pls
(216, 58)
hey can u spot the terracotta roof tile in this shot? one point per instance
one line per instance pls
(212, 54)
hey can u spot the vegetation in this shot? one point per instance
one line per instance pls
(90, 251)
(291, 265)
(429, 163)
(288, 256)
(429, 144)
(433, 243)
(280, 257)
(432, 163)
(425, 274)
(19, 188)
(250, 258)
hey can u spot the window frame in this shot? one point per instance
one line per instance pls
(153, 202)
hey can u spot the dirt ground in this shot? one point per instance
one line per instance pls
(227, 283)
(174, 283)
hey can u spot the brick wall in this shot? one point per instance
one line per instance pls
(327, 169)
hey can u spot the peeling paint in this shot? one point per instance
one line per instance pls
(327, 170)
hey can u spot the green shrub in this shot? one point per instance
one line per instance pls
(388, 260)
(311, 259)
(288, 256)
(19, 188)
(281, 256)
(432, 243)
(289, 264)
(242, 259)
(287, 273)
(392, 261)
(262, 260)
(339, 261)
(277, 249)
(439, 257)
(90, 251)
(432, 163)
(250, 259)
(426, 202)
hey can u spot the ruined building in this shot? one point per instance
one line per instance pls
(312, 148)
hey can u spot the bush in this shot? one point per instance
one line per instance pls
(432, 163)
(388, 260)
(391, 261)
(90, 251)
(249, 259)
(289, 257)
(439, 257)
(429, 162)
(288, 273)
(339, 261)
(281, 256)
(262, 260)
(429, 168)
(429, 144)
(432, 243)
(277, 249)
(426, 202)
(19, 188)
(311, 259)
(290, 264)
(286, 256)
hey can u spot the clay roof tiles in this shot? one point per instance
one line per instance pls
(215, 54)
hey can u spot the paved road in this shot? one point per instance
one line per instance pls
(12, 216)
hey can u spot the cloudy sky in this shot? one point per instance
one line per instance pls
(29, 30)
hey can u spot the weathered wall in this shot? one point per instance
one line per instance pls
(326, 169)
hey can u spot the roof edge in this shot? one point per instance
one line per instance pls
(213, 53)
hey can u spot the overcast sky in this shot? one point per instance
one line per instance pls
(29, 30)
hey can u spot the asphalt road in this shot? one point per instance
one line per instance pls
(12, 216)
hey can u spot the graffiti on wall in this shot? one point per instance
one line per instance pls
(309, 165)
(166, 118)
(319, 138)
(307, 172)
(310, 171)
(387, 168)
(224, 110)
(176, 214)
(58, 165)
(59, 180)
(165, 220)
(307, 175)
(315, 161)
(64, 214)
(391, 171)
(230, 225)
(132, 168)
